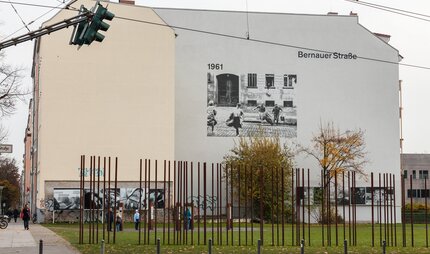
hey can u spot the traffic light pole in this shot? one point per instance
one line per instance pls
(47, 30)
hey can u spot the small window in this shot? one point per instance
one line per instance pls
(288, 104)
(270, 103)
(423, 174)
(252, 103)
(414, 174)
(210, 78)
(270, 81)
(290, 80)
(424, 193)
(405, 174)
(252, 80)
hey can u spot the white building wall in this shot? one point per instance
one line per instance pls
(351, 93)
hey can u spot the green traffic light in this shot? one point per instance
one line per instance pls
(92, 34)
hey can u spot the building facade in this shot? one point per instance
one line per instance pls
(416, 169)
(145, 90)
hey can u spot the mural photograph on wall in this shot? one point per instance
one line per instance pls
(241, 104)
(69, 199)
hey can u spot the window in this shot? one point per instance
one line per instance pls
(424, 193)
(423, 174)
(210, 78)
(270, 103)
(405, 174)
(414, 174)
(288, 104)
(415, 193)
(290, 81)
(252, 80)
(252, 103)
(270, 81)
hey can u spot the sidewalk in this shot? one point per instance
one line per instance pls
(14, 239)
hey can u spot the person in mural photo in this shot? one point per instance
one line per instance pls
(264, 116)
(211, 113)
(235, 119)
(25, 216)
(276, 111)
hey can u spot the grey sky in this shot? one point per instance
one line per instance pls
(409, 36)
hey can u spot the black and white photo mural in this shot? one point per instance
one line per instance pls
(239, 104)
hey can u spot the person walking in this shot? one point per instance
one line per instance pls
(136, 219)
(109, 219)
(188, 218)
(25, 216)
(15, 214)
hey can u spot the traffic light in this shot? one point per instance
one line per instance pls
(91, 33)
(79, 30)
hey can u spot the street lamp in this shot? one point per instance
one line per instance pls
(1, 198)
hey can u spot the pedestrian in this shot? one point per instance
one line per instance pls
(15, 213)
(25, 216)
(188, 218)
(109, 219)
(276, 111)
(235, 119)
(136, 220)
(118, 222)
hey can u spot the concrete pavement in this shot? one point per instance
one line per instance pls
(14, 239)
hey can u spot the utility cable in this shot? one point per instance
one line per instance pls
(269, 42)
(244, 38)
(393, 10)
(44, 14)
(25, 25)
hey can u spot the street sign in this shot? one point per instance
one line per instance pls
(5, 148)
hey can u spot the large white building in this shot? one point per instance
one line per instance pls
(143, 92)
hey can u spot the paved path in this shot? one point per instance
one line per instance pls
(14, 239)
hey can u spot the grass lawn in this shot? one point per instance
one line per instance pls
(127, 240)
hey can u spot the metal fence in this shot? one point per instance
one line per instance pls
(240, 205)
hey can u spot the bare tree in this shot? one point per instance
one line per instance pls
(11, 90)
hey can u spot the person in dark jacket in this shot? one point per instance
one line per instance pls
(26, 216)
(109, 219)
(15, 214)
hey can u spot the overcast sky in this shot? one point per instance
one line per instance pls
(410, 36)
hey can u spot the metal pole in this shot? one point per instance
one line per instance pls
(259, 246)
(302, 246)
(158, 246)
(384, 244)
(373, 212)
(412, 213)
(102, 248)
(210, 246)
(345, 246)
(41, 246)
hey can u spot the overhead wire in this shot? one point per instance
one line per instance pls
(25, 25)
(242, 38)
(406, 13)
(269, 42)
(31, 22)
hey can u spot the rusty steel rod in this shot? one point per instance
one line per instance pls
(412, 212)
(372, 194)
(140, 198)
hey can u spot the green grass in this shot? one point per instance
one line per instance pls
(127, 240)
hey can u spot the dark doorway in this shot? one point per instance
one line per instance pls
(228, 89)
